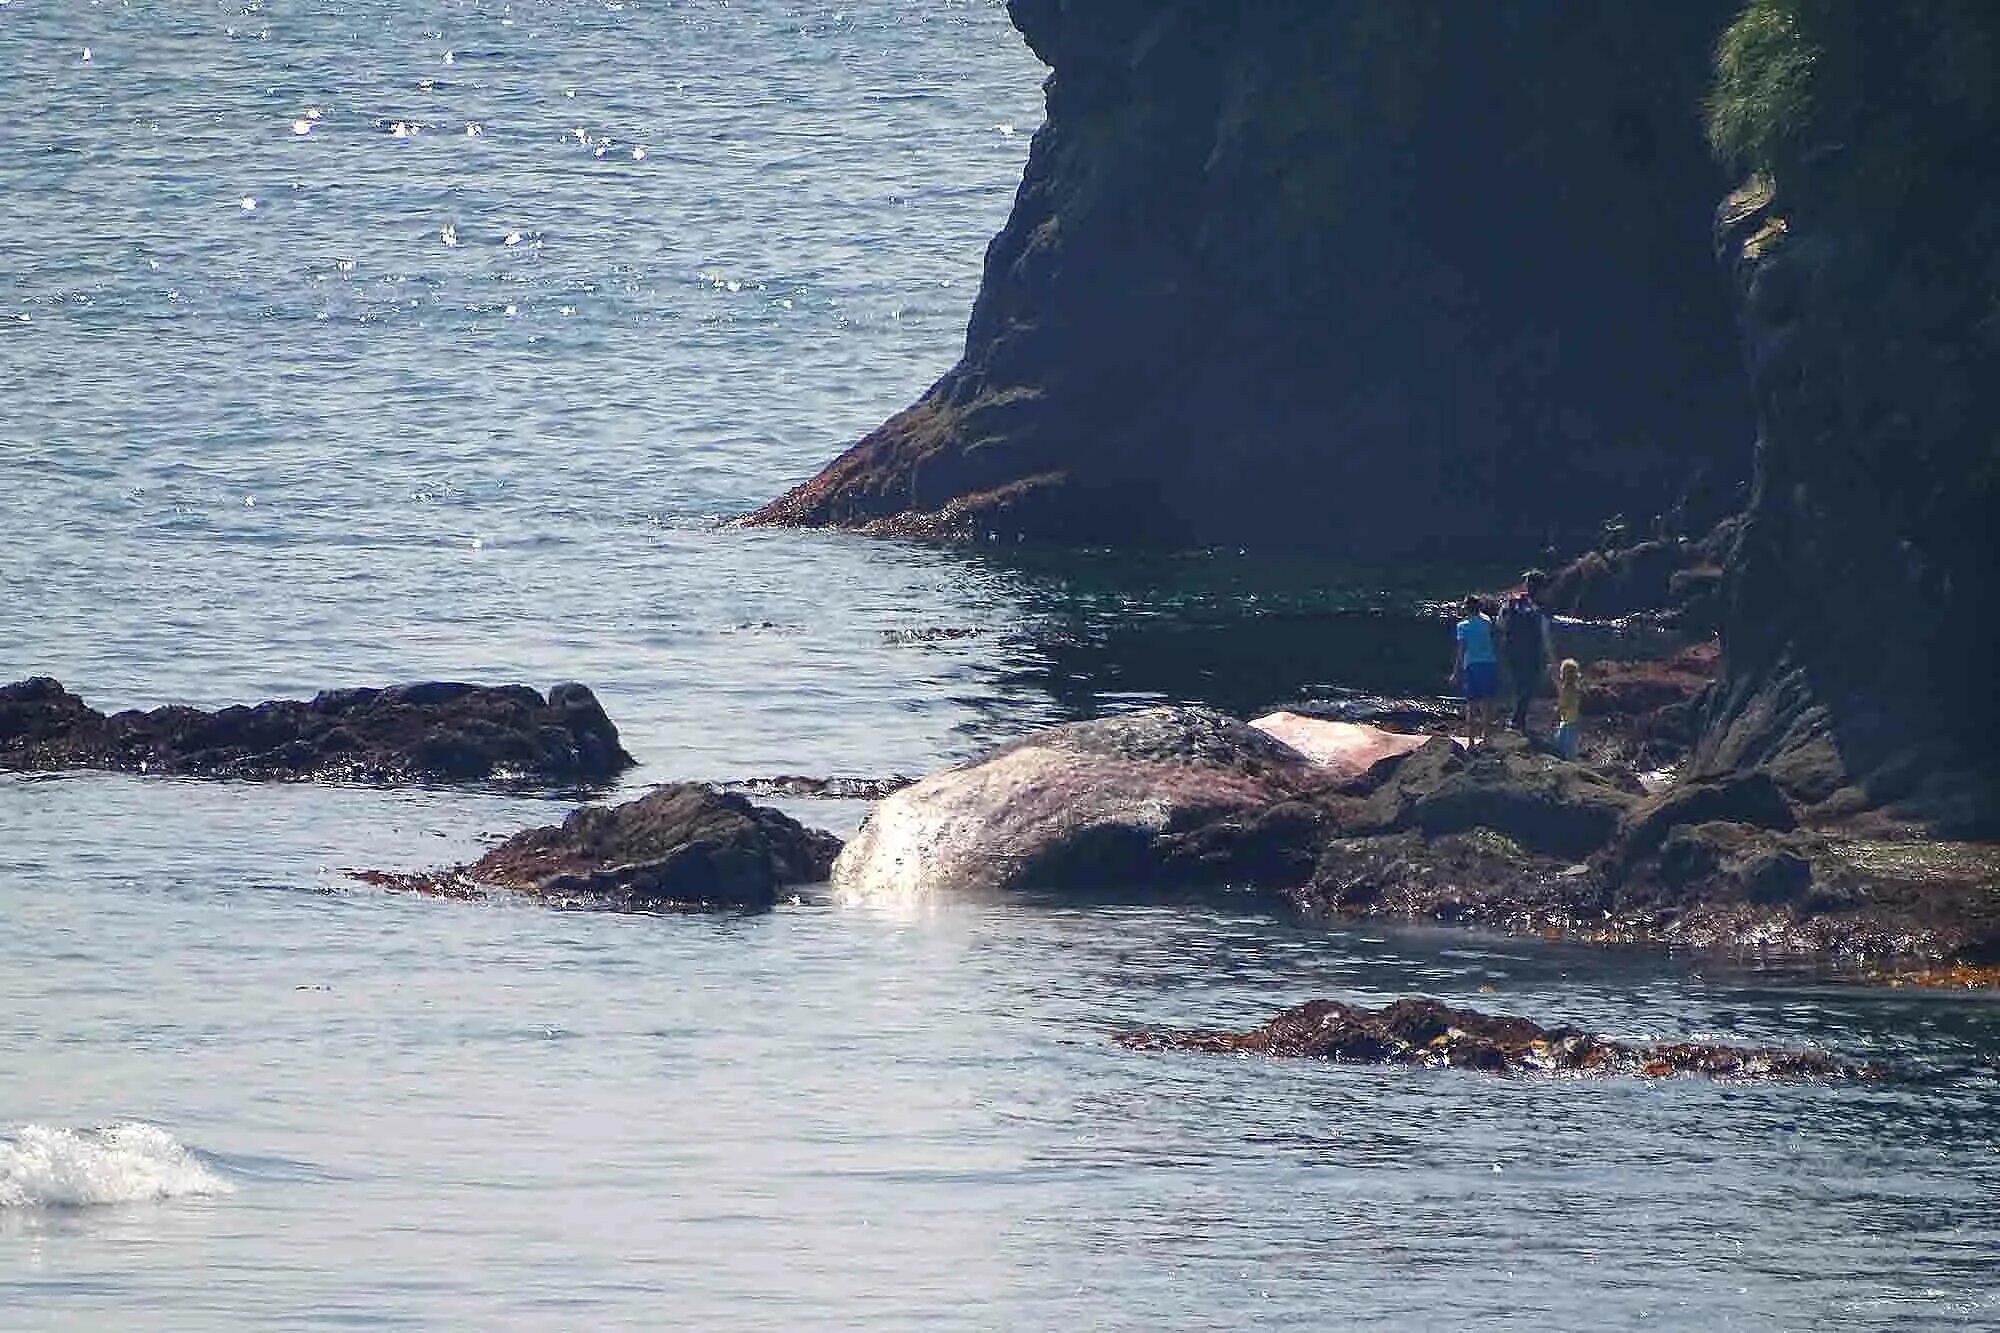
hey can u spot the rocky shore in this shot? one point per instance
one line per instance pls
(432, 732)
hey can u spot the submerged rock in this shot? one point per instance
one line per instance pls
(432, 732)
(1083, 806)
(1429, 1032)
(681, 846)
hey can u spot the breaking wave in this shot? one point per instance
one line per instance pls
(44, 1166)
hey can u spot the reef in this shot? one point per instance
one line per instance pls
(1426, 1032)
(684, 846)
(432, 732)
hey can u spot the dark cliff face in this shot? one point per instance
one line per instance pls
(1363, 276)
(1860, 628)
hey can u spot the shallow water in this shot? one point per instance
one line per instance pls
(258, 451)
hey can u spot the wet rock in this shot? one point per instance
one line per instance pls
(1273, 847)
(432, 732)
(1646, 714)
(1089, 806)
(1752, 798)
(1854, 902)
(1675, 579)
(1479, 878)
(1430, 1033)
(683, 846)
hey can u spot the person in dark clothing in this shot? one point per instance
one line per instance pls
(1527, 644)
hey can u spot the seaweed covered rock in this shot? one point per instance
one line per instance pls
(1477, 878)
(1430, 1032)
(432, 732)
(1275, 262)
(683, 846)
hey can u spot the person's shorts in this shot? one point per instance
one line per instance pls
(1482, 679)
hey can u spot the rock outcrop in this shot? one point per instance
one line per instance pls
(1510, 839)
(1273, 262)
(1861, 598)
(681, 847)
(1430, 1033)
(434, 732)
(1676, 581)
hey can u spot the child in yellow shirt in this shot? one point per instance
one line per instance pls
(1569, 708)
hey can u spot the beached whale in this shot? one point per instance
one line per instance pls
(1099, 804)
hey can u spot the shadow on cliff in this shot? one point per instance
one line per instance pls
(1364, 278)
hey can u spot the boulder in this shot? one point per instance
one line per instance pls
(1432, 1033)
(1751, 798)
(1547, 805)
(1090, 805)
(1478, 878)
(432, 732)
(683, 846)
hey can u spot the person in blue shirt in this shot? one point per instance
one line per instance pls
(1477, 666)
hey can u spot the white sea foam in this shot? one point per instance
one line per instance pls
(45, 1166)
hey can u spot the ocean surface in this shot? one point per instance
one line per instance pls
(349, 344)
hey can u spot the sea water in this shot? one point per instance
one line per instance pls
(352, 344)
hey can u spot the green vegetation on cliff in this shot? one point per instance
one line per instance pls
(1901, 85)
(1866, 254)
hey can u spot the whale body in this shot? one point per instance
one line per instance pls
(1091, 804)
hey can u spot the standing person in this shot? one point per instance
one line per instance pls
(1569, 708)
(1524, 633)
(1476, 665)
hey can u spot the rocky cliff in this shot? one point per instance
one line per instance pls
(1860, 620)
(1365, 276)
(1394, 278)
